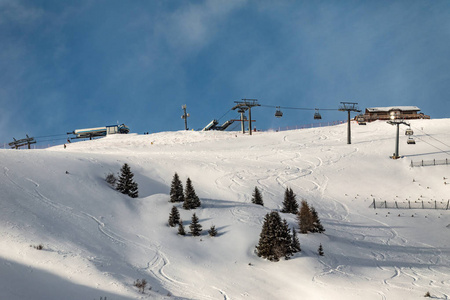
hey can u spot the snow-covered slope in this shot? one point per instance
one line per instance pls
(97, 242)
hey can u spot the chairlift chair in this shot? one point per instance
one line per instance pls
(278, 112)
(360, 119)
(411, 141)
(317, 115)
(409, 131)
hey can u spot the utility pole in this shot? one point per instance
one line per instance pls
(185, 116)
(397, 122)
(246, 104)
(349, 107)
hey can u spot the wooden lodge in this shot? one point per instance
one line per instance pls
(399, 112)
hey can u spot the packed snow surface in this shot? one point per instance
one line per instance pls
(97, 242)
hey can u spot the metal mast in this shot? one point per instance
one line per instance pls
(397, 122)
(349, 107)
(185, 116)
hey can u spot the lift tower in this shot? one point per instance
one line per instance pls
(349, 107)
(246, 104)
(397, 122)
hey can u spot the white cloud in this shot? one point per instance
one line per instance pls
(191, 27)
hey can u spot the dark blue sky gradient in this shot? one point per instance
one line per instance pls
(77, 64)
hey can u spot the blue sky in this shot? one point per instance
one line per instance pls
(76, 64)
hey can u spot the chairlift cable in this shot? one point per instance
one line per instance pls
(431, 136)
(45, 136)
(298, 108)
(443, 151)
(224, 115)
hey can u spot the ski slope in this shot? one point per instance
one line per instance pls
(97, 242)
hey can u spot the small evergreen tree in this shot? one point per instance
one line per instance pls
(126, 185)
(275, 240)
(256, 197)
(295, 245)
(176, 189)
(174, 217)
(284, 240)
(181, 230)
(191, 200)
(195, 227)
(317, 226)
(212, 231)
(305, 219)
(290, 204)
(320, 250)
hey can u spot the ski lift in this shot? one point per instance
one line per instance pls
(409, 131)
(278, 112)
(360, 119)
(317, 115)
(411, 141)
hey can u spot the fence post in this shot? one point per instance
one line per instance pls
(434, 161)
(409, 204)
(374, 204)
(435, 204)
(448, 202)
(385, 204)
(423, 207)
(396, 205)
(422, 162)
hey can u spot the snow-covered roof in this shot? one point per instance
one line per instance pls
(389, 108)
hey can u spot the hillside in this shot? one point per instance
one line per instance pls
(97, 242)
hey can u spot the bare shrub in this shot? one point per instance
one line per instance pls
(140, 284)
(111, 179)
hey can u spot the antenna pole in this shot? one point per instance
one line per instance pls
(185, 116)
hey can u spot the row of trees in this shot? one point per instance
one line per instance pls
(308, 219)
(188, 197)
(195, 228)
(276, 238)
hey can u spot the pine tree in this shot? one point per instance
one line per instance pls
(275, 239)
(295, 246)
(284, 240)
(191, 200)
(126, 185)
(317, 226)
(256, 197)
(176, 189)
(290, 204)
(305, 218)
(174, 217)
(181, 230)
(195, 227)
(320, 250)
(212, 231)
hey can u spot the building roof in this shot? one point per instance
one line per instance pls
(389, 108)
